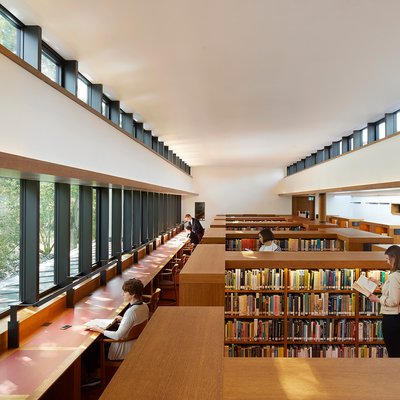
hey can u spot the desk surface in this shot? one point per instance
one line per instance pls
(43, 357)
(178, 356)
(311, 379)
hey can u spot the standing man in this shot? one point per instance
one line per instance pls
(196, 226)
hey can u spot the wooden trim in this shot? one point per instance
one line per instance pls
(14, 166)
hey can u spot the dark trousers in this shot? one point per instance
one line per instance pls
(391, 334)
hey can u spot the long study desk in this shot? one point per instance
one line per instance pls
(179, 356)
(50, 354)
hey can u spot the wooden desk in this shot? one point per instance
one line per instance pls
(52, 355)
(202, 281)
(214, 236)
(179, 355)
(311, 379)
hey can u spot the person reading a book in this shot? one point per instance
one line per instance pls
(137, 312)
(194, 239)
(197, 228)
(266, 238)
(390, 302)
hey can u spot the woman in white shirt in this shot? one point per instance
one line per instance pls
(266, 238)
(137, 313)
(390, 303)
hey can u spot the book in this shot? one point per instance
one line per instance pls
(364, 285)
(102, 323)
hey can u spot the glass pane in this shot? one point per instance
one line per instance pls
(110, 221)
(8, 34)
(104, 108)
(46, 236)
(9, 242)
(381, 130)
(74, 231)
(49, 68)
(398, 121)
(94, 225)
(83, 91)
(364, 136)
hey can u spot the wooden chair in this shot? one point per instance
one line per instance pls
(168, 280)
(152, 301)
(113, 365)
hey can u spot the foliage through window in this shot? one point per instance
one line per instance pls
(46, 236)
(50, 68)
(9, 34)
(9, 241)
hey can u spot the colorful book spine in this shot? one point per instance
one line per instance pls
(321, 330)
(235, 350)
(370, 330)
(253, 331)
(338, 279)
(321, 351)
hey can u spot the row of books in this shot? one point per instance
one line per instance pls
(329, 330)
(257, 330)
(254, 279)
(298, 279)
(304, 304)
(289, 244)
(258, 228)
(337, 279)
(305, 351)
(367, 307)
(370, 331)
(257, 304)
(321, 304)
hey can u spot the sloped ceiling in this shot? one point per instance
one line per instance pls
(234, 82)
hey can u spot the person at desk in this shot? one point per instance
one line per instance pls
(390, 302)
(194, 239)
(266, 238)
(136, 313)
(196, 226)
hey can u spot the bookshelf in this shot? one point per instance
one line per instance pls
(373, 227)
(279, 306)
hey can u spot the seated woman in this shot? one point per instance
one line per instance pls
(136, 313)
(266, 238)
(194, 239)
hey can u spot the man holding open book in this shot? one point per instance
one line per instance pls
(390, 303)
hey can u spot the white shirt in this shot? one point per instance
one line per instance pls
(271, 247)
(134, 315)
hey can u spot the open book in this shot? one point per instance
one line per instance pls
(102, 323)
(364, 285)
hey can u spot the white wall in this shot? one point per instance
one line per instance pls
(373, 164)
(41, 123)
(228, 190)
(375, 208)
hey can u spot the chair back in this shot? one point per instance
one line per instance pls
(136, 330)
(155, 297)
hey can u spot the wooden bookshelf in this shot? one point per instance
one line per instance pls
(344, 222)
(299, 307)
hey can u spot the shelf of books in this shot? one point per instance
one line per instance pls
(287, 310)
(287, 241)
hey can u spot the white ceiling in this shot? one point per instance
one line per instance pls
(234, 82)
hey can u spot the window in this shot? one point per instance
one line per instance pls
(110, 222)
(364, 136)
(95, 258)
(398, 121)
(83, 88)
(46, 236)
(381, 130)
(10, 33)
(9, 242)
(121, 116)
(105, 107)
(351, 143)
(74, 231)
(51, 65)
(341, 147)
